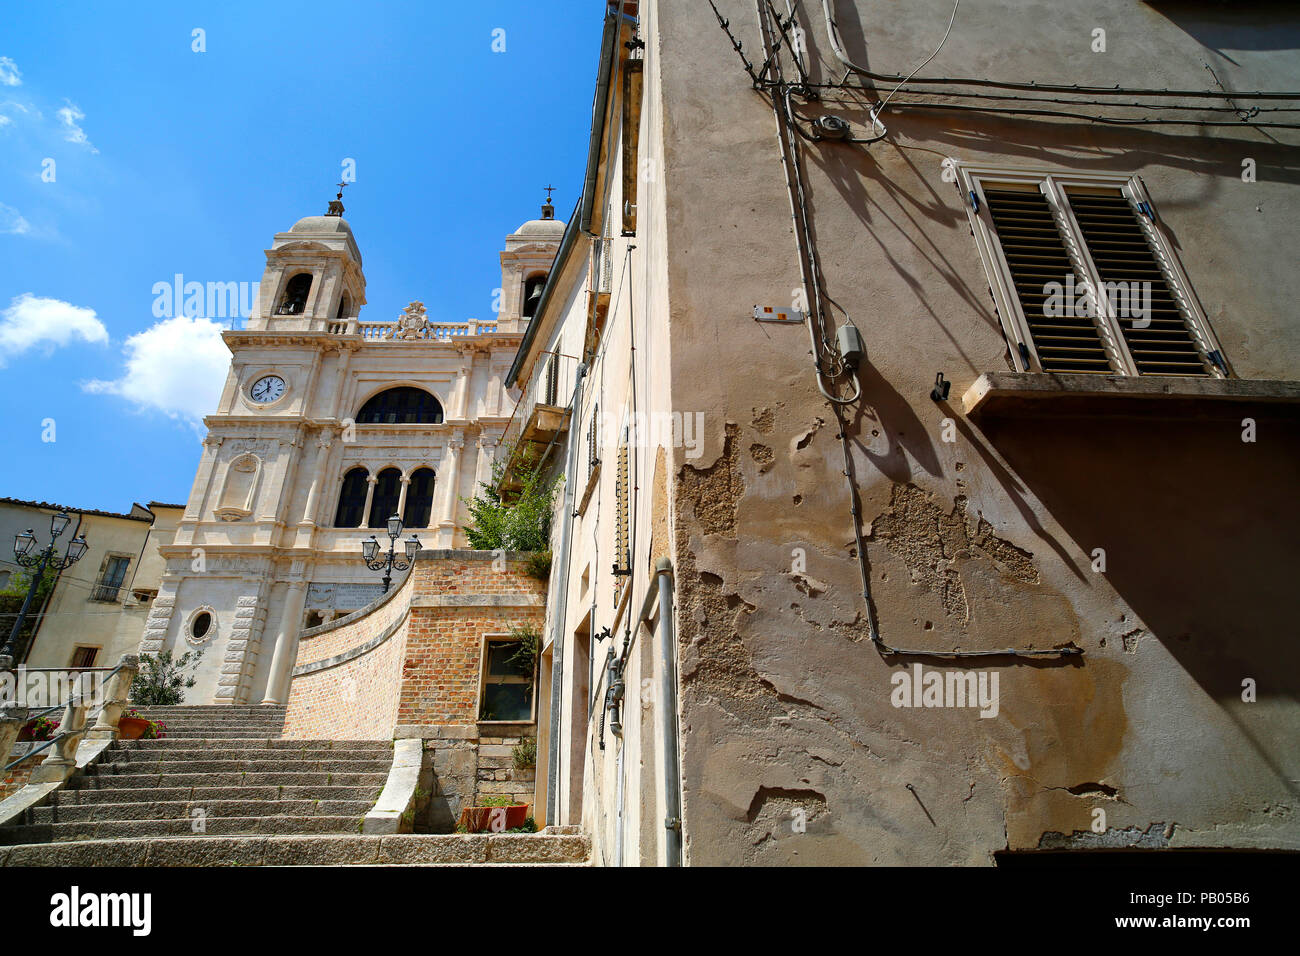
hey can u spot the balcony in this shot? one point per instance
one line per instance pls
(105, 592)
(430, 332)
(540, 418)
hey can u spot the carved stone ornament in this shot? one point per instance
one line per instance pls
(412, 324)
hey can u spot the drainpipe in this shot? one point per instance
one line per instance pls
(668, 714)
(562, 602)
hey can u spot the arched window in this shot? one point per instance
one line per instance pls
(295, 295)
(388, 492)
(419, 499)
(533, 295)
(345, 307)
(352, 499)
(401, 406)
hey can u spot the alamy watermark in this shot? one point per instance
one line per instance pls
(204, 300)
(937, 688)
(1126, 300)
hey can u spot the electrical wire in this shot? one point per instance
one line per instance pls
(951, 19)
(810, 269)
(837, 46)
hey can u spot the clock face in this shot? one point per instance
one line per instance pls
(267, 389)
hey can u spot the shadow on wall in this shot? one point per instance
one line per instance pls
(1200, 531)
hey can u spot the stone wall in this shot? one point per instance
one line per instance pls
(15, 779)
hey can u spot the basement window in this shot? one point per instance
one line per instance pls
(1084, 278)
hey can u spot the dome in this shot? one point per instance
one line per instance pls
(319, 224)
(542, 228)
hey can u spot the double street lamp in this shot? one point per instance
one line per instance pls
(26, 555)
(388, 563)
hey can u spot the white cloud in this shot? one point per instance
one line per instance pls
(31, 321)
(12, 222)
(71, 116)
(177, 367)
(4, 121)
(9, 75)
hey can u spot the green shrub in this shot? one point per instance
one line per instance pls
(162, 680)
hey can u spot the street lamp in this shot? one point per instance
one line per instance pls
(388, 563)
(24, 544)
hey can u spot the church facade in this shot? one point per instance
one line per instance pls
(328, 425)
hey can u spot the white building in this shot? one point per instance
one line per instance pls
(327, 426)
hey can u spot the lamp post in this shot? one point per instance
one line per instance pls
(24, 544)
(388, 563)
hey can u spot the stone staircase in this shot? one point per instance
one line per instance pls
(222, 788)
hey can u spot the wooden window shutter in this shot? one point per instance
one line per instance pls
(1036, 255)
(1122, 253)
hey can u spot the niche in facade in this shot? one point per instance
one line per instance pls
(236, 501)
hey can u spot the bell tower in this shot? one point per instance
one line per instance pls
(313, 280)
(525, 264)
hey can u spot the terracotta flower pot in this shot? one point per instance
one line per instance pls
(131, 728)
(480, 819)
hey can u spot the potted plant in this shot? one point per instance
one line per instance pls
(39, 728)
(493, 815)
(131, 726)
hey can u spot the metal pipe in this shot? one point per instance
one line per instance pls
(668, 714)
(562, 603)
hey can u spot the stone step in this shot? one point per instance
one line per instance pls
(184, 810)
(342, 850)
(249, 743)
(367, 763)
(276, 779)
(201, 794)
(216, 826)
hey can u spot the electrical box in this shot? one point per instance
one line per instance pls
(852, 349)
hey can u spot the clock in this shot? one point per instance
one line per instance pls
(267, 389)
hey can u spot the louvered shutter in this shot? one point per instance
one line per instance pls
(1121, 253)
(1036, 256)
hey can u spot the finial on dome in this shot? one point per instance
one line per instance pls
(336, 204)
(548, 210)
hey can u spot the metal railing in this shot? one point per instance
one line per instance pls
(552, 380)
(106, 592)
(72, 726)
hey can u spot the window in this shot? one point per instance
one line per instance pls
(401, 406)
(593, 437)
(509, 664)
(200, 624)
(551, 386)
(352, 499)
(419, 499)
(84, 657)
(1084, 278)
(388, 492)
(533, 294)
(622, 521)
(345, 307)
(295, 295)
(111, 577)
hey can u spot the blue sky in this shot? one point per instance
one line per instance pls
(167, 160)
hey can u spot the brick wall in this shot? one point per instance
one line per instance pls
(16, 779)
(412, 658)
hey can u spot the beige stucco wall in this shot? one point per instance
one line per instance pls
(978, 543)
(75, 617)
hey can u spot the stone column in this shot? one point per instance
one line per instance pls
(401, 498)
(447, 524)
(115, 697)
(286, 644)
(62, 761)
(323, 442)
(370, 497)
(11, 721)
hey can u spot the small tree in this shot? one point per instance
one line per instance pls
(162, 680)
(521, 524)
